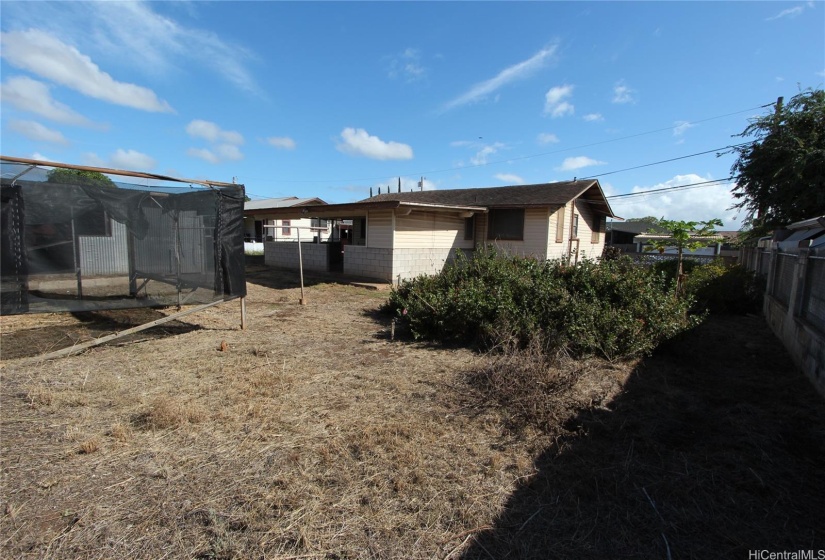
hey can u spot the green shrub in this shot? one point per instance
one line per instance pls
(717, 288)
(615, 309)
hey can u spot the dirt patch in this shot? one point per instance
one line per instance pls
(312, 435)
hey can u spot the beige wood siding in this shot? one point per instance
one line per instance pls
(420, 230)
(558, 245)
(379, 229)
(587, 222)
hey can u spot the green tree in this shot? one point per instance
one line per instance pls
(79, 177)
(780, 176)
(685, 236)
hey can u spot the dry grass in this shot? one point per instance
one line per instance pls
(309, 435)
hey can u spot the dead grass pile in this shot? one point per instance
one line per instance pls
(167, 412)
(535, 388)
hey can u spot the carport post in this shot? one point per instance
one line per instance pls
(301, 267)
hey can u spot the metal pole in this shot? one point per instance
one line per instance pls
(243, 313)
(301, 267)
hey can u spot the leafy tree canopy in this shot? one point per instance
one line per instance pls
(646, 219)
(685, 236)
(79, 177)
(781, 174)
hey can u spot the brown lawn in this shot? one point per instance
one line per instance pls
(315, 436)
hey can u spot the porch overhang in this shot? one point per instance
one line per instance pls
(357, 209)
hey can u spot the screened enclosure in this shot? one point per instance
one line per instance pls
(74, 239)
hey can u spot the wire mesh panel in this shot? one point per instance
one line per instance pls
(813, 300)
(75, 241)
(783, 282)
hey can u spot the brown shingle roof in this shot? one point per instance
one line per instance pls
(544, 194)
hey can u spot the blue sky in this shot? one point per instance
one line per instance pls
(331, 99)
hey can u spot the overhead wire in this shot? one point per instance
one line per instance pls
(641, 194)
(541, 154)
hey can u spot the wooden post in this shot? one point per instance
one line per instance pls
(302, 301)
(243, 313)
(80, 347)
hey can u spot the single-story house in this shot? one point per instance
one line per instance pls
(396, 236)
(258, 227)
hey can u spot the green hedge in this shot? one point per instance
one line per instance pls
(615, 309)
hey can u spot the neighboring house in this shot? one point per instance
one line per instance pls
(396, 236)
(259, 227)
(634, 237)
(621, 234)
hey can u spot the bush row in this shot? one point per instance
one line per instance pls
(614, 309)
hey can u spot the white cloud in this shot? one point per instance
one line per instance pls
(217, 154)
(204, 154)
(510, 74)
(593, 117)
(281, 142)
(34, 97)
(132, 160)
(789, 13)
(133, 34)
(699, 204)
(555, 103)
(228, 152)
(547, 138)
(37, 132)
(509, 178)
(212, 132)
(357, 142)
(480, 158)
(407, 65)
(48, 57)
(40, 157)
(93, 160)
(223, 143)
(622, 93)
(680, 127)
(572, 163)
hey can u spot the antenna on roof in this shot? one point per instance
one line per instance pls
(399, 184)
(421, 184)
(370, 192)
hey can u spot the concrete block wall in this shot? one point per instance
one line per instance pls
(409, 263)
(285, 255)
(368, 262)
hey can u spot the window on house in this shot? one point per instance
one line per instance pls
(319, 223)
(506, 224)
(575, 226)
(285, 227)
(469, 227)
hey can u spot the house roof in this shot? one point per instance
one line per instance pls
(632, 227)
(516, 196)
(463, 200)
(282, 202)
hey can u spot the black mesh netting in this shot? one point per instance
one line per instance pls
(88, 245)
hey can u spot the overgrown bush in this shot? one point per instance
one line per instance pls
(615, 309)
(715, 287)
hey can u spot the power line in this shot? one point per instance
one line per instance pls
(540, 154)
(677, 187)
(666, 160)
